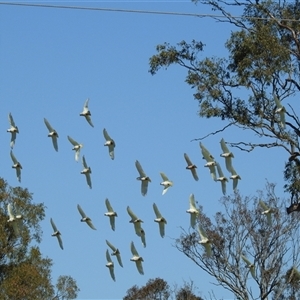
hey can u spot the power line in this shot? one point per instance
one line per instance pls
(153, 12)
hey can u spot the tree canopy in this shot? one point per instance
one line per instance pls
(254, 241)
(262, 63)
(24, 273)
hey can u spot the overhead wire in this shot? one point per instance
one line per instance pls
(137, 11)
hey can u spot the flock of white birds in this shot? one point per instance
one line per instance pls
(15, 217)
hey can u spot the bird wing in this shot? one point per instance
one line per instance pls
(220, 172)
(206, 154)
(165, 190)
(18, 171)
(228, 163)
(88, 179)
(83, 215)
(133, 249)
(73, 142)
(263, 205)
(223, 183)
(111, 151)
(108, 258)
(86, 104)
(13, 139)
(106, 135)
(208, 249)
(138, 228)
(112, 247)
(162, 228)
(192, 201)
(143, 237)
(202, 233)
(212, 170)
(112, 222)
(16, 228)
(224, 146)
(89, 119)
(131, 214)
(139, 267)
(84, 162)
(50, 128)
(54, 142)
(77, 153)
(108, 206)
(187, 159)
(156, 211)
(60, 242)
(119, 259)
(193, 220)
(194, 173)
(15, 161)
(246, 260)
(10, 211)
(277, 101)
(269, 219)
(53, 225)
(140, 169)
(163, 176)
(144, 187)
(11, 120)
(112, 273)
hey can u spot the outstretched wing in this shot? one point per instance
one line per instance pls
(156, 211)
(50, 128)
(140, 169)
(83, 215)
(73, 142)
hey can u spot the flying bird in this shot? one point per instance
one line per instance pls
(210, 162)
(160, 220)
(280, 110)
(86, 112)
(227, 155)
(190, 166)
(13, 130)
(87, 172)
(115, 252)
(267, 211)
(110, 266)
(52, 133)
(235, 177)
(204, 241)
(193, 211)
(76, 147)
(110, 143)
(143, 178)
(166, 183)
(57, 234)
(222, 178)
(85, 218)
(16, 166)
(13, 220)
(136, 221)
(249, 265)
(137, 259)
(111, 214)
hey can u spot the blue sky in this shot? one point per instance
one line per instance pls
(51, 61)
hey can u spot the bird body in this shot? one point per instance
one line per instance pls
(111, 214)
(210, 162)
(116, 252)
(76, 147)
(136, 221)
(204, 241)
(137, 259)
(222, 178)
(52, 133)
(110, 143)
(227, 155)
(13, 220)
(143, 178)
(57, 234)
(13, 130)
(86, 112)
(193, 211)
(110, 266)
(87, 172)
(190, 166)
(280, 110)
(16, 165)
(160, 220)
(166, 183)
(85, 218)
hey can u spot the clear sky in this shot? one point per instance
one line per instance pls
(51, 61)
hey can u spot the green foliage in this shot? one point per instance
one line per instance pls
(24, 273)
(262, 61)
